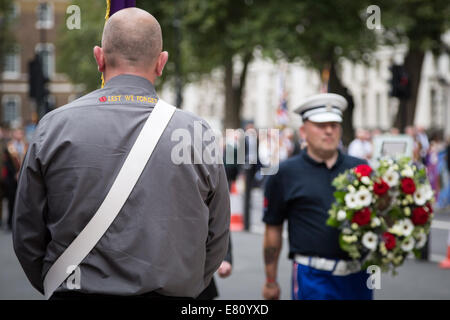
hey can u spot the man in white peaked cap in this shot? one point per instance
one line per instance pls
(301, 192)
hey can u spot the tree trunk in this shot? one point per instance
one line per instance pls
(233, 93)
(407, 108)
(335, 86)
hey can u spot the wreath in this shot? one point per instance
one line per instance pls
(383, 214)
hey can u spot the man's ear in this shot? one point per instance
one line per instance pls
(302, 132)
(99, 58)
(161, 62)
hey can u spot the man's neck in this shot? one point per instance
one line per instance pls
(113, 73)
(329, 159)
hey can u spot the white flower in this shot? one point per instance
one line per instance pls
(341, 215)
(370, 240)
(350, 239)
(421, 240)
(407, 227)
(375, 222)
(420, 196)
(407, 172)
(346, 231)
(408, 244)
(397, 228)
(351, 200)
(351, 188)
(407, 211)
(364, 197)
(366, 180)
(391, 177)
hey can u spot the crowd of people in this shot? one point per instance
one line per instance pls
(13, 146)
(430, 149)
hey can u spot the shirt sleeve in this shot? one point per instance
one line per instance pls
(274, 203)
(219, 225)
(30, 235)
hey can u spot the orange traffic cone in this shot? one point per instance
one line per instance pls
(236, 221)
(445, 264)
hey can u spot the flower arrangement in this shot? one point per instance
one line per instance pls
(383, 214)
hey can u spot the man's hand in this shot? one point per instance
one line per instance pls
(224, 269)
(271, 291)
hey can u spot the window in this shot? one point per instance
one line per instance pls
(44, 16)
(11, 63)
(46, 51)
(11, 109)
(363, 110)
(378, 109)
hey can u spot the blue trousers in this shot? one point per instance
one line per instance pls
(312, 284)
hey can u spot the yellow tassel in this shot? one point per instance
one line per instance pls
(108, 9)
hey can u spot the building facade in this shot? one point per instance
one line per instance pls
(35, 28)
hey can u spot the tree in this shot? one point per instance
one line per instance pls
(320, 33)
(420, 24)
(219, 33)
(75, 55)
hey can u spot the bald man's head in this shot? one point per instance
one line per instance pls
(131, 38)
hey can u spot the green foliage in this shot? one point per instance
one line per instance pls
(75, 47)
(420, 23)
(320, 32)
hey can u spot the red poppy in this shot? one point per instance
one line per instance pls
(362, 217)
(420, 216)
(363, 170)
(380, 188)
(408, 185)
(389, 240)
(266, 203)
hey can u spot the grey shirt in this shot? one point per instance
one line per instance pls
(172, 233)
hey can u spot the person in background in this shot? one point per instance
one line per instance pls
(301, 193)
(361, 146)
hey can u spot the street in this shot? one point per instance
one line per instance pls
(416, 279)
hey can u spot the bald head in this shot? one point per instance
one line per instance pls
(131, 38)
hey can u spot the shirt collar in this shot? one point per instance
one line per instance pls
(307, 158)
(129, 80)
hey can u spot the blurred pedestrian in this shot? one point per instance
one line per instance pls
(301, 192)
(172, 226)
(361, 146)
(16, 148)
(251, 167)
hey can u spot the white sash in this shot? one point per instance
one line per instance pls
(115, 199)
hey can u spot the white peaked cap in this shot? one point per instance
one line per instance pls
(323, 107)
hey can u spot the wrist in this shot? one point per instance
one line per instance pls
(271, 280)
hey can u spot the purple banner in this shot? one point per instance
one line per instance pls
(117, 5)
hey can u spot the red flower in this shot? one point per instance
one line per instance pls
(429, 207)
(362, 217)
(266, 203)
(420, 216)
(380, 188)
(363, 170)
(389, 240)
(408, 185)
